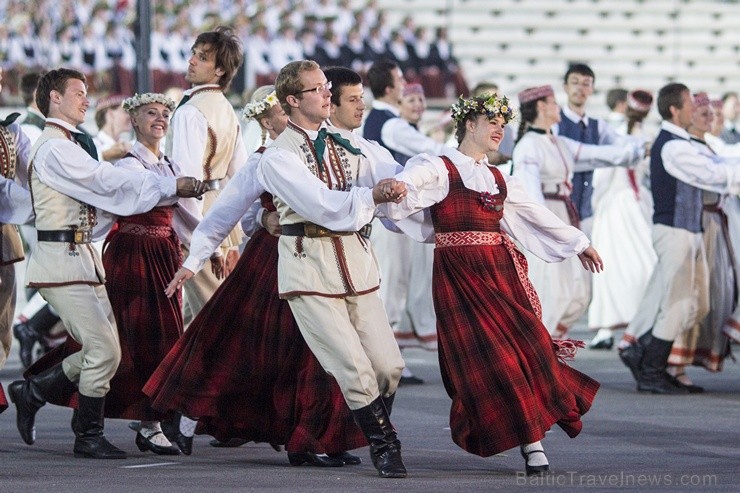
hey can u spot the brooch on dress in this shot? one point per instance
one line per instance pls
(489, 202)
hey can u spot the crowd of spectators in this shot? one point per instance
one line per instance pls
(97, 38)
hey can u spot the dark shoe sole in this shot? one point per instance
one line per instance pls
(300, 458)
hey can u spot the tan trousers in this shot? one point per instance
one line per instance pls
(7, 309)
(677, 294)
(198, 290)
(87, 314)
(353, 341)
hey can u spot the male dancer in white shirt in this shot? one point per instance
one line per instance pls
(205, 140)
(68, 186)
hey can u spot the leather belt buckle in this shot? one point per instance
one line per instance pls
(82, 236)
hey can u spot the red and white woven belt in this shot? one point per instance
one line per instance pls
(475, 238)
(145, 230)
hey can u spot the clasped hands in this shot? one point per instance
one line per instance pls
(389, 190)
(187, 186)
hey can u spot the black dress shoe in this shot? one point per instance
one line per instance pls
(171, 429)
(346, 458)
(230, 443)
(318, 460)
(607, 343)
(693, 389)
(533, 469)
(145, 443)
(412, 380)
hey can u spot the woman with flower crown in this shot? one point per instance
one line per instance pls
(272, 389)
(140, 254)
(498, 363)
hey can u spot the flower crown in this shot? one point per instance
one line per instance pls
(491, 106)
(254, 109)
(130, 104)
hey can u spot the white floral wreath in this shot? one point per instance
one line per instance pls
(256, 108)
(491, 106)
(130, 104)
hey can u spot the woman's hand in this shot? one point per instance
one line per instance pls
(591, 260)
(218, 266)
(181, 276)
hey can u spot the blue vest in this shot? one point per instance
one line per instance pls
(583, 187)
(373, 127)
(675, 203)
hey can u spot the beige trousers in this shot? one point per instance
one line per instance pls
(87, 314)
(353, 341)
(7, 309)
(677, 294)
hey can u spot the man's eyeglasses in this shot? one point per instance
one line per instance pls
(326, 86)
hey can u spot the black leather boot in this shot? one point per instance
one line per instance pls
(385, 448)
(31, 394)
(388, 401)
(27, 337)
(632, 356)
(653, 377)
(91, 442)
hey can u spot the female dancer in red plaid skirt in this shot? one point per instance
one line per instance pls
(242, 367)
(498, 362)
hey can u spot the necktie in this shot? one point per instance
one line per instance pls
(320, 145)
(184, 100)
(582, 126)
(10, 119)
(86, 143)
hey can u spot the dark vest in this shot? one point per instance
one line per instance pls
(676, 203)
(583, 187)
(373, 127)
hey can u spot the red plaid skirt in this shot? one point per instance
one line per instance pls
(244, 370)
(3, 400)
(138, 267)
(497, 360)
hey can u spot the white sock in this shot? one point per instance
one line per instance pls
(535, 459)
(187, 426)
(603, 334)
(151, 431)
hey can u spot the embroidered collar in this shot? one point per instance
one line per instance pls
(537, 130)
(204, 87)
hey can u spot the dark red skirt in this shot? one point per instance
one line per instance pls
(497, 360)
(3, 400)
(244, 370)
(138, 268)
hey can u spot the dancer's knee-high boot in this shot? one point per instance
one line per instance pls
(385, 448)
(91, 441)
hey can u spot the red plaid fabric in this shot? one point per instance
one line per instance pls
(3, 400)
(138, 268)
(244, 369)
(497, 360)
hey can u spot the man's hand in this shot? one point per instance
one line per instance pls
(591, 260)
(181, 276)
(116, 151)
(187, 186)
(218, 266)
(389, 190)
(271, 222)
(232, 257)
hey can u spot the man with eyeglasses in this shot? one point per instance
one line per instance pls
(325, 190)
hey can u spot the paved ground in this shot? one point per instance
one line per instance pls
(630, 441)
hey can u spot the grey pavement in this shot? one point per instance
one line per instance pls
(630, 441)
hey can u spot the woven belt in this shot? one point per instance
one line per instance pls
(213, 184)
(76, 236)
(145, 230)
(311, 230)
(467, 238)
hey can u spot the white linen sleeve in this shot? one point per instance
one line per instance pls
(527, 169)
(399, 135)
(284, 175)
(68, 169)
(683, 161)
(537, 228)
(15, 203)
(427, 182)
(587, 157)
